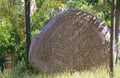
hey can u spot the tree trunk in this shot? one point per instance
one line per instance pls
(28, 33)
(117, 32)
(113, 21)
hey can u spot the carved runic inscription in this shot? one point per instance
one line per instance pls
(72, 40)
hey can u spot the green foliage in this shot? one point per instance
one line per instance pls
(12, 11)
(92, 2)
(98, 8)
(46, 10)
(8, 38)
(102, 7)
(20, 53)
(2, 60)
(72, 4)
(12, 25)
(118, 4)
(33, 33)
(40, 3)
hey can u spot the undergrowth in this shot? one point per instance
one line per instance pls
(21, 71)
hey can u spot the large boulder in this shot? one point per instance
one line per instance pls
(72, 40)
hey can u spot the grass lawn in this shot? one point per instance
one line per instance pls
(100, 73)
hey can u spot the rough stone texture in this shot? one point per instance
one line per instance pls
(72, 40)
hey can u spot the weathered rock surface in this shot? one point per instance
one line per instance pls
(72, 40)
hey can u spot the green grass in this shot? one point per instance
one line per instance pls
(100, 73)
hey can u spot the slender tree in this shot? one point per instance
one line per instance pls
(28, 33)
(113, 40)
(117, 26)
(117, 32)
